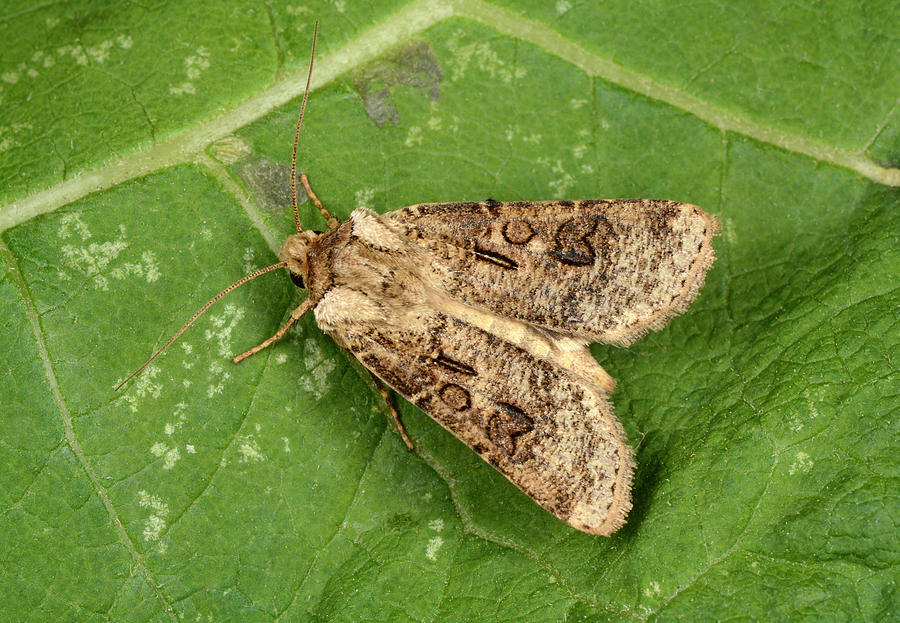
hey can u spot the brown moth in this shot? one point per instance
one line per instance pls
(480, 313)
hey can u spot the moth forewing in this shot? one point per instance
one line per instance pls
(600, 270)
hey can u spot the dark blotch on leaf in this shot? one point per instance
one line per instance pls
(414, 66)
(269, 183)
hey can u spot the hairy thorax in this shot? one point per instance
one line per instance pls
(364, 272)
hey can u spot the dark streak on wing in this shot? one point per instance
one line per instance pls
(495, 258)
(455, 366)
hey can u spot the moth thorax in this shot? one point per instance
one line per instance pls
(295, 253)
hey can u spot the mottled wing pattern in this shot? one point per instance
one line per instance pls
(552, 435)
(530, 404)
(600, 270)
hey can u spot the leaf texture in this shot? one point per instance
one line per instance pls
(144, 165)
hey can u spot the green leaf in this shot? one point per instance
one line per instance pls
(144, 159)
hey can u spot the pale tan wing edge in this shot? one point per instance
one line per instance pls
(554, 436)
(599, 270)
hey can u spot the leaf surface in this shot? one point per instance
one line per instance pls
(144, 166)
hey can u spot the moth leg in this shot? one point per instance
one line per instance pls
(332, 222)
(295, 316)
(390, 403)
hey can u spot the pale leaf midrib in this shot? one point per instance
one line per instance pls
(406, 23)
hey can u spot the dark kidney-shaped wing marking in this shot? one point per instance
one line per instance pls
(602, 270)
(553, 436)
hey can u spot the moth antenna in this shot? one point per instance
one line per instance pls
(312, 57)
(210, 303)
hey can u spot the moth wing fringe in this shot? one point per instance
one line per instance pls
(693, 283)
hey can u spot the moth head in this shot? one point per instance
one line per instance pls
(295, 254)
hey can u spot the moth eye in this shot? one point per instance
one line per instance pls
(298, 280)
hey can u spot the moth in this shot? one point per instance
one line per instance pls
(480, 313)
